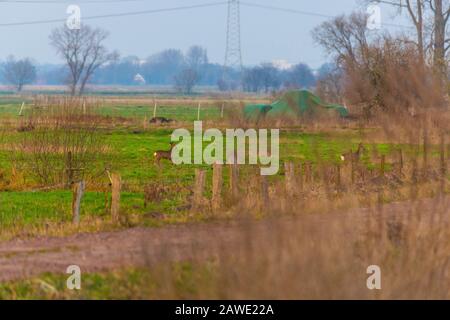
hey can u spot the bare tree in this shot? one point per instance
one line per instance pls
(196, 58)
(186, 80)
(83, 51)
(64, 145)
(380, 73)
(416, 11)
(19, 72)
(432, 15)
(344, 37)
(441, 12)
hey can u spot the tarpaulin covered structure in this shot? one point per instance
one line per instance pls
(295, 103)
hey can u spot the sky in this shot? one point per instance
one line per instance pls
(266, 35)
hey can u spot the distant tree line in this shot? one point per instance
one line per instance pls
(172, 67)
(267, 77)
(186, 70)
(88, 61)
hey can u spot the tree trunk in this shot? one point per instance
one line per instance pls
(439, 40)
(419, 27)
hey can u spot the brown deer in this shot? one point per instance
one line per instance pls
(162, 154)
(353, 156)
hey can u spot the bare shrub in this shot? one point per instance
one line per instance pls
(392, 80)
(59, 144)
(382, 74)
(330, 86)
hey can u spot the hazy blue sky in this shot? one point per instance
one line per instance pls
(266, 35)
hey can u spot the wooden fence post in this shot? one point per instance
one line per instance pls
(21, 109)
(290, 178)
(78, 192)
(217, 187)
(300, 176)
(234, 177)
(199, 187)
(401, 161)
(69, 169)
(442, 154)
(115, 196)
(443, 164)
(145, 124)
(383, 165)
(425, 150)
(308, 169)
(198, 111)
(352, 163)
(338, 177)
(221, 110)
(264, 192)
(155, 106)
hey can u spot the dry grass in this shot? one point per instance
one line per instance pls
(322, 256)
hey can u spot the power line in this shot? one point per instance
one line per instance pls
(391, 3)
(68, 1)
(255, 5)
(143, 12)
(113, 15)
(307, 13)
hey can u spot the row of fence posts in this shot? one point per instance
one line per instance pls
(296, 176)
(47, 100)
(78, 192)
(199, 108)
(199, 201)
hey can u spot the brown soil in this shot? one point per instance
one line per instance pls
(145, 246)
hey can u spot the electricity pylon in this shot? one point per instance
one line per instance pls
(233, 55)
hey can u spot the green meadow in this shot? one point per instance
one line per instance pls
(25, 205)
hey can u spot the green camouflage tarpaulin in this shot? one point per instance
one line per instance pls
(298, 103)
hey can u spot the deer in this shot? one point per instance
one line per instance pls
(162, 154)
(353, 156)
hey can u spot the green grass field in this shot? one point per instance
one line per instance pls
(131, 155)
(123, 284)
(29, 209)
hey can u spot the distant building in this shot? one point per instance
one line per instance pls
(139, 79)
(282, 64)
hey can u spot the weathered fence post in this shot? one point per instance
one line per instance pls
(400, 161)
(21, 109)
(234, 177)
(155, 106)
(84, 106)
(69, 169)
(338, 177)
(198, 111)
(264, 192)
(443, 164)
(115, 196)
(414, 178)
(290, 178)
(78, 192)
(217, 187)
(352, 164)
(300, 176)
(308, 169)
(425, 150)
(383, 165)
(145, 124)
(199, 187)
(221, 110)
(442, 154)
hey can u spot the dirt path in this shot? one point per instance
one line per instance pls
(142, 246)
